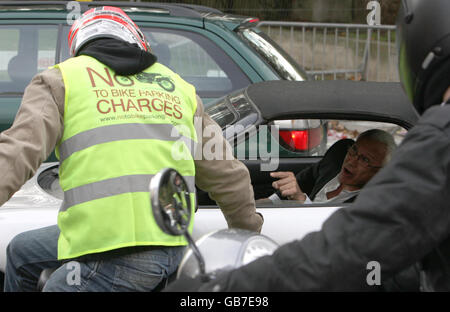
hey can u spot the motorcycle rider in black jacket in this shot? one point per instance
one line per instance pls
(402, 216)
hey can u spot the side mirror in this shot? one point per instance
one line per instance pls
(171, 202)
(171, 206)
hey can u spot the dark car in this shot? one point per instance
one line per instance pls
(216, 52)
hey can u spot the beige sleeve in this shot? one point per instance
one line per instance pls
(226, 181)
(34, 133)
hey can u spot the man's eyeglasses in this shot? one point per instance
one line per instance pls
(363, 160)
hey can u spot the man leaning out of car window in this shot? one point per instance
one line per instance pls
(345, 168)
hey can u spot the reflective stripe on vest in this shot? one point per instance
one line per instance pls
(166, 132)
(111, 187)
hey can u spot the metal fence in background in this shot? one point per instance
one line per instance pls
(339, 51)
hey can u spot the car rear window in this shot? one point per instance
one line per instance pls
(197, 60)
(194, 57)
(25, 50)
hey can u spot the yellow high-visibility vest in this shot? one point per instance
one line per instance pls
(118, 133)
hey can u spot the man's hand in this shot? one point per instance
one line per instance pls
(288, 185)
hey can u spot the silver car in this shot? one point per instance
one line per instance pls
(346, 107)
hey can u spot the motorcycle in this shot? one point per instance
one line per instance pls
(164, 82)
(216, 252)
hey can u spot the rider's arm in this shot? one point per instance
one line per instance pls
(34, 133)
(227, 181)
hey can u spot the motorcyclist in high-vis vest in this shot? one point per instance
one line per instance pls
(116, 117)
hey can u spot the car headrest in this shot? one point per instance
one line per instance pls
(21, 69)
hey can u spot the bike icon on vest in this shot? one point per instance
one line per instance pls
(164, 82)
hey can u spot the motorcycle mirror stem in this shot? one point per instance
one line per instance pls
(201, 261)
(172, 209)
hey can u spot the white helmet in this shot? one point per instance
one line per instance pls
(105, 22)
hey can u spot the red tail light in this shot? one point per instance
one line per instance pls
(248, 23)
(253, 20)
(297, 139)
(302, 140)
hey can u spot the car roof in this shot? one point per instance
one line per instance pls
(333, 99)
(175, 9)
(191, 14)
(172, 9)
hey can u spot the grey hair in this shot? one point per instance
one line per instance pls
(383, 137)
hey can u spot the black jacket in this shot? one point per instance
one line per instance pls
(402, 216)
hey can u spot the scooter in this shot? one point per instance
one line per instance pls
(216, 252)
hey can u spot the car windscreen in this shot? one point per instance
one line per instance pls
(273, 54)
(25, 50)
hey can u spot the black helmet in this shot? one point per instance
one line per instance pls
(423, 41)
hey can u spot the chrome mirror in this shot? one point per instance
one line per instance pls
(171, 206)
(171, 202)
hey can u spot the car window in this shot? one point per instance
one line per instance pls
(197, 60)
(24, 51)
(303, 135)
(314, 136)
